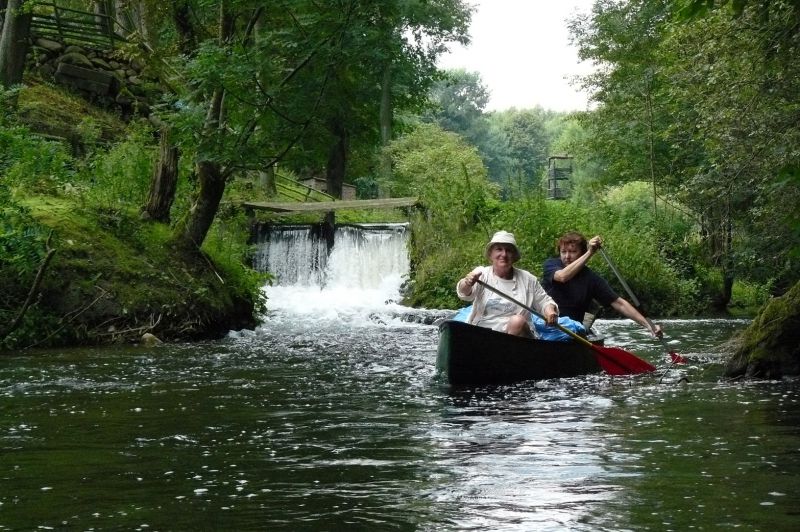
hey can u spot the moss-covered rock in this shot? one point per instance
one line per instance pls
(770, 347)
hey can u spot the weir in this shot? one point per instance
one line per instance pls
(363, 256)
(357, 283)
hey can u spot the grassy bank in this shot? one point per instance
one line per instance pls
(78, 265)
(113, 277)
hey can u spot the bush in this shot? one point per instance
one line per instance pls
(22, 248)
(450, 180)
(32, 164)
(226, 243)
(121, 175)
(537, 224)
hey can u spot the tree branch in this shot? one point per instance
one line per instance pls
(33, 291)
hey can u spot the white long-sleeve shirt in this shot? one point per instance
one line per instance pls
(493, 311)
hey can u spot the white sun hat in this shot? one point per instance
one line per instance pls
(503, 237)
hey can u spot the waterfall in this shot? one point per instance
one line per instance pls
(293, 254)
(361, 276)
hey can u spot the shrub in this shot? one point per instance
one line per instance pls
(32, 164)
(121, 175)
(22, 248)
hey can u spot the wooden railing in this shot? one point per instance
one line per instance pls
(328, 206)
(289, 188)
(73, 26)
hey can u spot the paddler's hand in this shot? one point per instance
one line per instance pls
(472, 277)
(466, 284)
(657, 332)
(551, 315)
(595, 243)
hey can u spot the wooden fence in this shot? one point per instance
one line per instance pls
(72, 26)
(289, 188)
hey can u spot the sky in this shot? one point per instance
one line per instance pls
(521, 50)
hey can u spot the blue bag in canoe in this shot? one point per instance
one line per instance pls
(543, 332)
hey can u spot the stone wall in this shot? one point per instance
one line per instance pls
(103, 77)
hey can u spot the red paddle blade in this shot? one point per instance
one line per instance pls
(676, 358)
(616, 361)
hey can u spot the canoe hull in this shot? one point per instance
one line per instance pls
(476, 356)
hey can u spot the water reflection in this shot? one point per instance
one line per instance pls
(522, 457)
(317, 424)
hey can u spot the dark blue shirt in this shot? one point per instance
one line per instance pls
(575, 296)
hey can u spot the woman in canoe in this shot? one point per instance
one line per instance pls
(569, 280)
(495, 312)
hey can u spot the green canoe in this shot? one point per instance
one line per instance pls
(476, 356)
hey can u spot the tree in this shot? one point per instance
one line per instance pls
(632, 134)
(623, 38)
(528, 145)
(163, 185)
(705, 108)
(299, 82)
(746, 125)
(164, 181)
(14, 42)
(446, 174)
(494, 147)
(410, 37)
(458, 101)
(211, 174)
(390, 46)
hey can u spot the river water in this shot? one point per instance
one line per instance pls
(329, 416)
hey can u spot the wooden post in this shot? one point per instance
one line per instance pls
(57, 15)
(328, 229)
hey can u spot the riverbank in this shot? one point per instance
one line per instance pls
(113, 277)
(78, 263)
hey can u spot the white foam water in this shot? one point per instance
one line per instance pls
(358, 283)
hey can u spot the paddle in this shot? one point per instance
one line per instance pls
(676, 358)
(613, 360)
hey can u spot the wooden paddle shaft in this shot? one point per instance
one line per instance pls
(627, 288)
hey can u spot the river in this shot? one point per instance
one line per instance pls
(329, 416)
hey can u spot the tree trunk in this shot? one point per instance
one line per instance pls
(14, 43)
(212, 185)
(187, 38)
(164, 181)
(386, 104)
(337, 160)
(266, 180)
(211, 176)
(727, 264)
(385, 163)
(719, 231)
(651, 150)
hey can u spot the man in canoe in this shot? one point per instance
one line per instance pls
(498, 313)
(573, 285)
